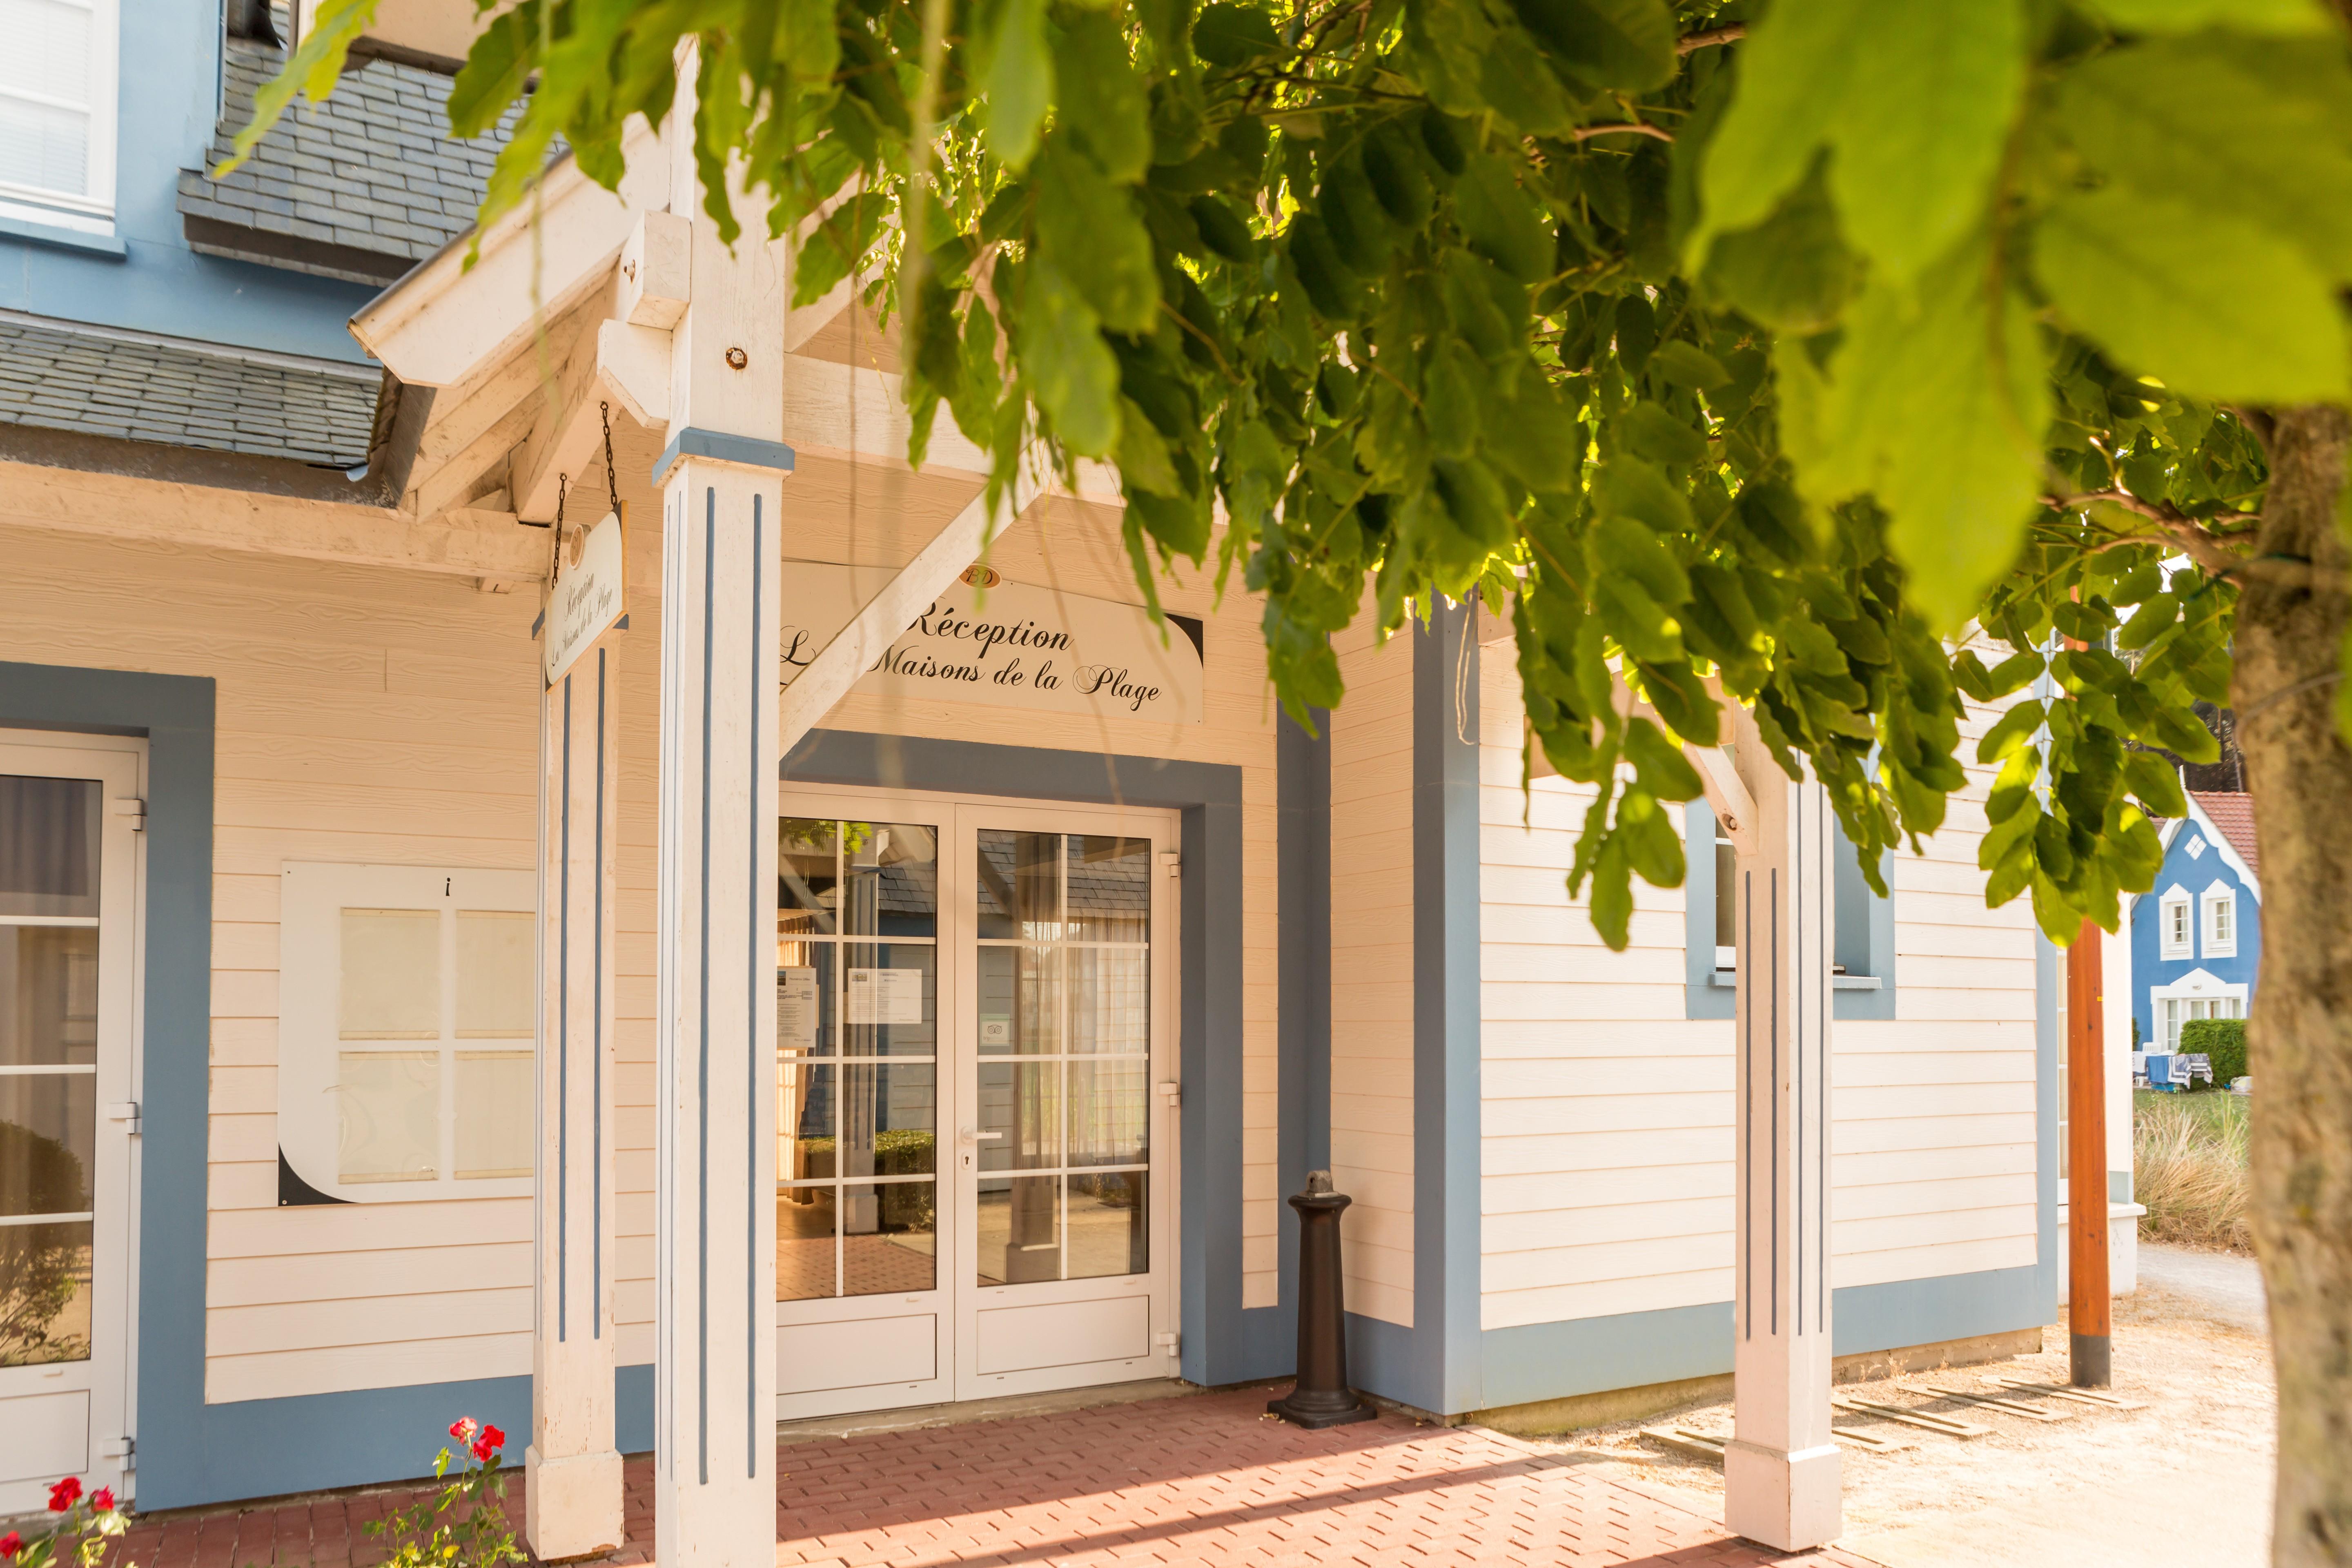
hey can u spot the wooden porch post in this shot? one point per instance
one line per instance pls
(2088, 1293)
(573, 1465)
(722, 479)
(1781, 1471)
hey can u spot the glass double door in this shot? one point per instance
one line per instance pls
(68, 1004)
(974, 1119)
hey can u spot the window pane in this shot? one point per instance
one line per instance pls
(889, 1001)
(1020, 1230)
(496, 1119)
(1020, 1001)
(391, 975)
(1109, 1232)
(804, 1242)
(44, 147)
(889, 1233)
(498, 974)
(48, 1133)
(888, 1116)
(891, 881)
(48, 832)
(806, 876)
(1111, 888)
(804, 1124)
(49, 996)
(45, 1273)
(805, 1024)
(1110, 1112)
(1110, 995)
(390, 1104)
(1021, 1102)
(1020, 885)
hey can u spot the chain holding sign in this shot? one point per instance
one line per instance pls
(1013, 645)
(588, 598)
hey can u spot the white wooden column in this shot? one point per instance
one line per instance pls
(1780, 1470)
(574, 1466)
(723, 491)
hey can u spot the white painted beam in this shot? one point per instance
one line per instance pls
(463, 544)
(878, 623)
(442, 324)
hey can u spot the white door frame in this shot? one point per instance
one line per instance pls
(957, 1298)
(109, 1377)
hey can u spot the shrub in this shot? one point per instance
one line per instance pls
(2221, 1039)
(2188, 1167)
(79, 1536)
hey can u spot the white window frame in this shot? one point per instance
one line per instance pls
(313, 897)
(2172, 913)
(2168, 1004)
(2217, 904)
(92, 211)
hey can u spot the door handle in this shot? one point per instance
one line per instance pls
(973, 1135)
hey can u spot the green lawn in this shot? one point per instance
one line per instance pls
(2213, 1110)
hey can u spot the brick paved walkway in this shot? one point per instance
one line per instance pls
(1203, 1479)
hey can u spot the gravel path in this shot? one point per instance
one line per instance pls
(2228, 1288)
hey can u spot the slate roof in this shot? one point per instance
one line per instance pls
(139, 387)
(2233, 816)
(361, 187)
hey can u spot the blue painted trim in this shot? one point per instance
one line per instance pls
(720, 447)
(1631, 1350)
(180, 1448)
(1223, 1340)
(1437, 1364)
(1303, 858)
(57, 236)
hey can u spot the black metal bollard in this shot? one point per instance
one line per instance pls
(1322, 1397)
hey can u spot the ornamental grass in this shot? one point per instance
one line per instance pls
(2189, 1166)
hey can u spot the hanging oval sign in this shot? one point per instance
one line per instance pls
(588, 598)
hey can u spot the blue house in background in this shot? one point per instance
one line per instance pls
(2197, 936)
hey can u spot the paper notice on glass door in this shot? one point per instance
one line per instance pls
(796, 1011)
(883, 996)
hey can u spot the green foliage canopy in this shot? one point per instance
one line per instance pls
(1849, 359)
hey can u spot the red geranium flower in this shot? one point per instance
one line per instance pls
(11, 1544)
(62, 1495)
(488, 1443)
(103, 1499)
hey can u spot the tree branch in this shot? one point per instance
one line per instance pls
(1586, 132)
(2203, 545)
(1690, 42)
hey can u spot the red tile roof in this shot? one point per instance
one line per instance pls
(2233, 814)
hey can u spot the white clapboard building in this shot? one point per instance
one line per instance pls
(867, 974)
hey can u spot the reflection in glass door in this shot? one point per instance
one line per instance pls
(857, 1111)
(68, 891)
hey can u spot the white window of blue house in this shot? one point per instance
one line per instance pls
(58, 111)
(2221, 921)
(1862, 962)
(2174, 937)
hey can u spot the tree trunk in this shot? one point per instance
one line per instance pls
(2300, 1039)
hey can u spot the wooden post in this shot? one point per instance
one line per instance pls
(1781, 1476)
(572, 1466)
(722, 479)
(2088, 1294)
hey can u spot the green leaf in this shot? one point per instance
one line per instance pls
(2153, 780)
(1070, 370)
(2218, 309)
(1649, 431)
(2253, 129)
(1015, 73)
(1221, 230)
(1792, 272)
(1918, 414)
(1520, 87)
(314, 68)
(2278, 17)
(1685, 363)
(1231, 36)
(1618, 45)
(1501, 224)
(1913, 101)
(1102, 100)
(1093, 232)
(1663, 768)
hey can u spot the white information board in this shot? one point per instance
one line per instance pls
(589, 597)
